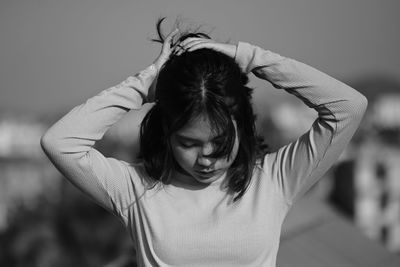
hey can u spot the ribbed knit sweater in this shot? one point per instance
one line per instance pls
(181, 225)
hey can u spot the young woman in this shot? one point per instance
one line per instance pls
(204, 193)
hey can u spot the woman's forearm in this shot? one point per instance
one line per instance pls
(298, 165)
(314, 87)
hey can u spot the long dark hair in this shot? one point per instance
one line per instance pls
(208, 82)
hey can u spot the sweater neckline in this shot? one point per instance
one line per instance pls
(185, 181)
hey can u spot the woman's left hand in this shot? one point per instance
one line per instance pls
(191, 44)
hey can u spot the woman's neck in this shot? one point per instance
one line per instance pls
(181, 178)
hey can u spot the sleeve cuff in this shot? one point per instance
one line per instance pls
(249, 57)
(149, 72)
(244, 56)
(141, 81)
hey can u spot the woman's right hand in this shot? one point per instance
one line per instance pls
(165, 51)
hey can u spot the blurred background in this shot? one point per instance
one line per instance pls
(55, 54)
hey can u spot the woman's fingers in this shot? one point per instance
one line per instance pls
(179, 47)
(168, 39)
(191, 40)
(193, 43)
(165, 50)
(195, 46)
(171, 34)
(227, 49)
(200, 45)
(188, 42)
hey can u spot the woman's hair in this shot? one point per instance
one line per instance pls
(205, 82)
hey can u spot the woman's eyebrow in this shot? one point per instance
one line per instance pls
(188, 138)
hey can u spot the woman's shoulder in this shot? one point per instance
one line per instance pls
(138, 174)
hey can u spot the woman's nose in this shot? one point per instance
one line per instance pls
(204, 158)
(205, 161)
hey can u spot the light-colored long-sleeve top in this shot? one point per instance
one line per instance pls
(176, 225)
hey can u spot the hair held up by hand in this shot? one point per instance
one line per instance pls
(202, 82)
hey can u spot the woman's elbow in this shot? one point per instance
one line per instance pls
(48, 142)
(360, 104)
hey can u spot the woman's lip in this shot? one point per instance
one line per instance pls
(205, 170)
(206, 173)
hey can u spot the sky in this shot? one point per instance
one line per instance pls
(55, 54)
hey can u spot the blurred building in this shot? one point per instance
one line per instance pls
(365, 182)
(377, 174)
(44, 220)
(367, 187)
(26, 177)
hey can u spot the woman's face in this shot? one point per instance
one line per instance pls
(191, 145)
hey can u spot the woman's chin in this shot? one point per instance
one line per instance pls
(207, 178)
(202, 178)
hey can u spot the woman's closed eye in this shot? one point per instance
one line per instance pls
(187, 144)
